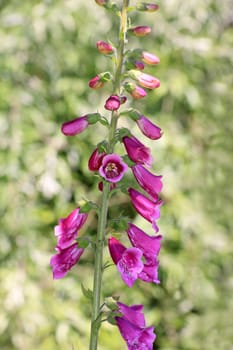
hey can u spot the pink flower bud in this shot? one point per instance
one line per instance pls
(104, 48)
(139, 65)
(135, 91)
(136, 151)
(149, 129)
(112, 168)
(149, 58)
(102, 2)
(123, 99)
(113, 103)
(95, 160)
(144, 6)
(140, 30)
(96, 83)
(75, 126)
(145, 80)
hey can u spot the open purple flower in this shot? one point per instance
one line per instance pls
(112, 168)
(136, 151)
(150, 273)
(136, 338)
(149, 129)
(149, 245)
(128, 260)
(75, 126)
(151, 183)
(67, 228)
(65, 259)
(147, 208)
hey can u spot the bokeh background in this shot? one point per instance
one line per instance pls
(47, 56)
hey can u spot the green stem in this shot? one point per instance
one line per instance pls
(102, 222)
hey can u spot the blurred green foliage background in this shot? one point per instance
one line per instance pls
(47, 56)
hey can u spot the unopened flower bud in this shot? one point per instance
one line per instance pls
(95, 160)
(140, 30)
(96, 83)
(104, 48)
(149, 58)
(139, 65)
(102, 2)
(135, 91)
(145, 80)
(148, 7)
(113, 103)
(75, 126)
(123, 99)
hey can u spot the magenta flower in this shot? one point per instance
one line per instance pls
(75, 126)
(128, 260)
(149, 129)
(143, 6)
(136, 151)
(140, 30)
(95, 160)
(145, 80)
(149, 273)
(151, 183)
(96, 82)
(113, 103)
(63, 261)
(102, 2)
(67, 228)
(147, 208)
(132, 314)
(136, 337)
(112, 168)
(149, 58)
(104, 48)
(149, 245)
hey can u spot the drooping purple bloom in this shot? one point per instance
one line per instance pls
(151, 183)
(67, 228)
(149, 245)
(128, 260)
(150, 273)
(95, 160)
(136, 151)
(149, 129)
(112, 168)
(75, 126)
(147, 208)
(64, 260)
(132, 314)
(136, 338)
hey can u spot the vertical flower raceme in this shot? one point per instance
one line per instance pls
(128, 260)
(136, 151)
(149, 182)
(112, 168)
(65, 259)
(147, 208)
(149, 129)
(67, 228)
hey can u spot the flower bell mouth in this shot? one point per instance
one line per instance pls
(112, 168)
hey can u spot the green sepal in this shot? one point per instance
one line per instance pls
(87, 292)
(102, 147)
(104, 121)
(93, 118)
(134, 114)
(83, 242)
(86, 206)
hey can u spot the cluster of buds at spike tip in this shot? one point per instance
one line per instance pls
(99, 80)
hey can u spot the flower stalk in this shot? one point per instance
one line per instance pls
(103, 212)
